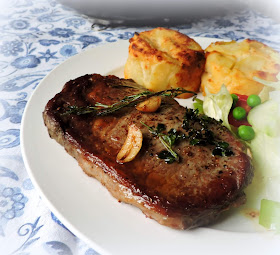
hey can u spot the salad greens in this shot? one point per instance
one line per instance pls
(265, 148)
(218, 105)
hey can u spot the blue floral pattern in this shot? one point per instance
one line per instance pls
(75, 22)
(9, 138)
(35, 37)
(19, 24)
(13, 112)
(46, 42)
(12, 202)
(89, 39)
(27, 184)
(47, 55)
(29, 61)
(68, 51)
(62, 32)
(29, 232)
(11, 48)
(55, 219)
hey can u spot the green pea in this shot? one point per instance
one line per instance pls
(235, 99)
(239, 113)
(253, 100)
(246, 133)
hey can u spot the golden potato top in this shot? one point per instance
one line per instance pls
(162, 58)
(235, 64)
(170, 42)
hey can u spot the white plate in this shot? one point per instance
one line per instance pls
(87, 208)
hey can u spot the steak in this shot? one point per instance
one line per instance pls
(186, 194)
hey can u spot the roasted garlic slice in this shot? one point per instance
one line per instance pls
(149, 105)
(132, 144)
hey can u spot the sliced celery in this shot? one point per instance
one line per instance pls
(270, 215)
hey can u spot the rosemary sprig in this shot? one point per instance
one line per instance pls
(73, 109)
(102, 109)
(168, 140)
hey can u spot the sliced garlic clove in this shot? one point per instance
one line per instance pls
(149, 105)
(132, 144)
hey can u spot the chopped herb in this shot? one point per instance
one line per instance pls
(168, 140)
(167, 156)
(199, 134)
(100, 109)
(174, 136)
(222, 149)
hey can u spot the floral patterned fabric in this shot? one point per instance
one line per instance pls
(36, 36)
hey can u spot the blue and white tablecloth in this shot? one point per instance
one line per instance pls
(35, 37)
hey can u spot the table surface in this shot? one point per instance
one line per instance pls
(35, 38)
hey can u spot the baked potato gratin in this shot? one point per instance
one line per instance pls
(235, 64)
(162, 58)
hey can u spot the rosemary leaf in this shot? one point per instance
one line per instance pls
(73, 109)
(166, 140)
(102, 109)
(168, 147)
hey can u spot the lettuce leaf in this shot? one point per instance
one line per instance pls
(218, 105)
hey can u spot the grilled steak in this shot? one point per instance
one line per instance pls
(183, 195)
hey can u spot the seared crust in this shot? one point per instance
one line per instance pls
(180, 195)
(162, 58)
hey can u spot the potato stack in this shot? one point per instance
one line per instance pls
(162, 58)
(236, 64)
